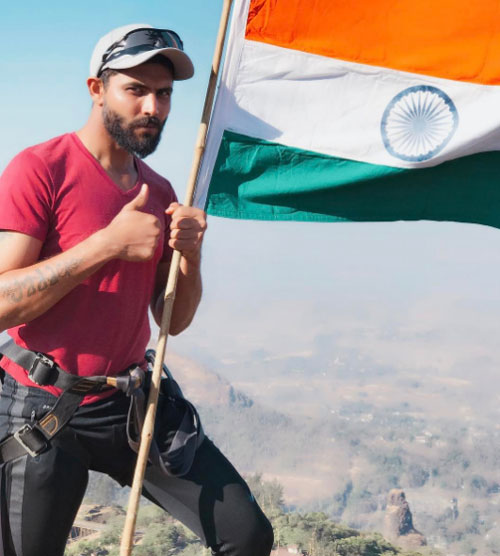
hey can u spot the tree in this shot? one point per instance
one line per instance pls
(269, 494)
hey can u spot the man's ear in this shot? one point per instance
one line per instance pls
(96, 90)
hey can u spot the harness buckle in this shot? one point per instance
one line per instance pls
(31, 440)
(41, 371)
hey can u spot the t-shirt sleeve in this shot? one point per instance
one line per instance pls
(26, 196)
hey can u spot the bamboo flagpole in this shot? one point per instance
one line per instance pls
(149, 420)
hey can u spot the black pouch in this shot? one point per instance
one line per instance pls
(3, 519)
(2, 375)
(178, 431)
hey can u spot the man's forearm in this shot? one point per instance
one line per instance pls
(187, 296)
(187, 228)
(27, 293)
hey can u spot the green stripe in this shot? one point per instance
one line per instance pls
(255, 179)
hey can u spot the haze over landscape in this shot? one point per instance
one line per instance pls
(379, 345)
(340, 359)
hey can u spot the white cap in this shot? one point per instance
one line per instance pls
(183, 67)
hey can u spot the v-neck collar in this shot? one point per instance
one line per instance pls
(102, 171)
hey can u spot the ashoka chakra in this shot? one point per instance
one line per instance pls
(418, 123)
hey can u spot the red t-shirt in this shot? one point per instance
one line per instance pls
(58, 193)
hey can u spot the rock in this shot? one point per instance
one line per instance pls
(398, 522)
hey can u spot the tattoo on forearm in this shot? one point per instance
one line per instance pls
(39, 280)
(12, 291)
(29, 283)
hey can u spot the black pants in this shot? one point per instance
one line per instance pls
(40, 496)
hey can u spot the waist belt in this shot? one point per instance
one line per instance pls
(34, 438)
(173, 452)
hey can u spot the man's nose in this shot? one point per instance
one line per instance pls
(150, 105)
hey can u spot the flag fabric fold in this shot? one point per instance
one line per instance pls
(367, 111)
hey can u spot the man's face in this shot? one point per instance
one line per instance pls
(136, 105)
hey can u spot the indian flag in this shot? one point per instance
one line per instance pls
(373, 110)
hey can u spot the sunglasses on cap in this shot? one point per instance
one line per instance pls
(141, 40)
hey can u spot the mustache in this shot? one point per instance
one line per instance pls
(149, 121)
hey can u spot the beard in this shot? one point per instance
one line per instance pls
(125, 134)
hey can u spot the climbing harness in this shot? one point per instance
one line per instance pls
(173, 448)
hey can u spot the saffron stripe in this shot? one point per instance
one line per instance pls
(451, 39)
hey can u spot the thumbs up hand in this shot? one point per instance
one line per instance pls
(133, 235)
(140, 200)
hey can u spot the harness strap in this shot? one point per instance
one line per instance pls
(34, 438)
(42, 370)
(175, 452)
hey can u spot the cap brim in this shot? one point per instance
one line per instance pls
(183, 67)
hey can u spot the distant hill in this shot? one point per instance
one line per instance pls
(339, 432)
(343, 458)
(97, 532)
(202, 386)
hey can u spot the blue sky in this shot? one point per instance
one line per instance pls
(45, 58)
(375, 273)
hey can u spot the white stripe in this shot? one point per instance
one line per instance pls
(218, 120)
(334, 107)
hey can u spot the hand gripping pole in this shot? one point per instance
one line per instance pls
(147, 430)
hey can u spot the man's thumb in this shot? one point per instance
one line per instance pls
(139, 201)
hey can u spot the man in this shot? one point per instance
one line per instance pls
(87, 235)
